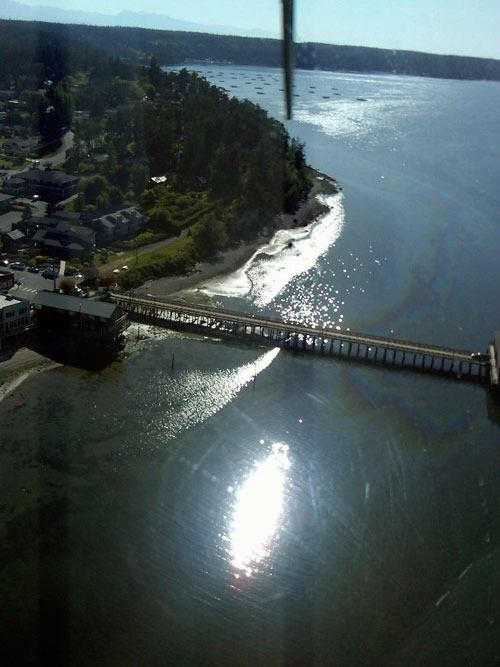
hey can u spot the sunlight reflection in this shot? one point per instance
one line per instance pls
(194, 396)
(259, 506)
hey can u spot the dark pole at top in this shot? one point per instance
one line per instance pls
(288, 52)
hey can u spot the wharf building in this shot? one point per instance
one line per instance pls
(89, 319)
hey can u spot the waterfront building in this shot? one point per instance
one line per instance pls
(7, 279)
(88, 318)
(15, 316)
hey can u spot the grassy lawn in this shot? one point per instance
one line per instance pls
(69, 207)
(184, 243)
(5, 163)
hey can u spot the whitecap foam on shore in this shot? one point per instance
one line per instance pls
(274, 265)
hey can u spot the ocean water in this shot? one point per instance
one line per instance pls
(247, 506)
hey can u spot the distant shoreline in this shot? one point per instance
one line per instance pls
(235, 258)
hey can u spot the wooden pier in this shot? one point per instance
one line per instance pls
(402, 354)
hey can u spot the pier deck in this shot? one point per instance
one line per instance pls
(331, 342)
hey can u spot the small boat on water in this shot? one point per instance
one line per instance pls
(361, 99)
(326, 97)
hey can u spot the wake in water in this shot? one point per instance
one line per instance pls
(290, 252)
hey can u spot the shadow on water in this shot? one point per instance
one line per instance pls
(73, 352)
(493, 406)
(54, 559)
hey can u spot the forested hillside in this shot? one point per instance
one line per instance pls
(173, 47)
(225, 168)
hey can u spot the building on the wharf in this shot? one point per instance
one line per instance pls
(91, 319)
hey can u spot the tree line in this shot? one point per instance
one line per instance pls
(62, 47)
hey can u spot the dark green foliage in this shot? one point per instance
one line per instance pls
(47, 50)
(229, 168)
(200, 138)
(209, 236)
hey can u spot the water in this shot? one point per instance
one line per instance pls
(253, 507)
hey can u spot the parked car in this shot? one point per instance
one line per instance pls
(480, 356)
(18, 266)
(51, 273)
(33, 269)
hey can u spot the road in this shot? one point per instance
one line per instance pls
(53, 160)
(59, 156)
(31, 283)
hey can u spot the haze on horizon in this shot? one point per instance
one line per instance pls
(454, 27)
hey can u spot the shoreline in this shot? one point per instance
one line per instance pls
(17, 365)
(183, 286)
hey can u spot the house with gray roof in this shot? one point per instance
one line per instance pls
(5, 202)
(50, 184)
(13, 239)
(120, 224)
(65, 240)
(14, 186)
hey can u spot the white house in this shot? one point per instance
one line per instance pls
(15, 316)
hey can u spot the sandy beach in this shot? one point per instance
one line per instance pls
(236, 257)
(17, 365)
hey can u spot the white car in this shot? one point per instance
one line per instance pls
(116, 270)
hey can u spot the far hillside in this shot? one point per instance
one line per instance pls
(137, 45)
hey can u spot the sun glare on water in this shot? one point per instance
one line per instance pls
(258, 508)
